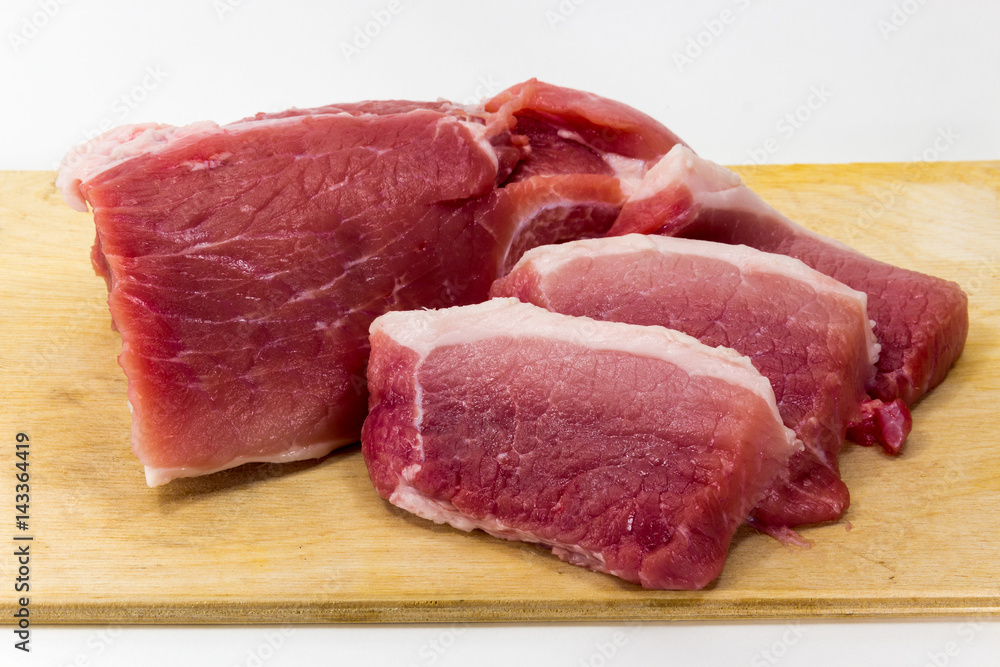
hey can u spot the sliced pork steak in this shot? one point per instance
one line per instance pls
(631, 450)
(920, 321)
(807, 333)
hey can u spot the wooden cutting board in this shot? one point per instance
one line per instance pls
(311, 541)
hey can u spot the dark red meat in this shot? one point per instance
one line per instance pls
(921, 321)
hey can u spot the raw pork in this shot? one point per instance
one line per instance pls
(920, 321)
(805, 332)
(245, 262)
(573, 132)
(585, 154)
(631, 450)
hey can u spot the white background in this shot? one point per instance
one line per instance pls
(763, 81)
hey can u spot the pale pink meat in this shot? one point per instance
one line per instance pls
(631, 450)
(804, 331)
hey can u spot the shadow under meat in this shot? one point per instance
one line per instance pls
(245, 475)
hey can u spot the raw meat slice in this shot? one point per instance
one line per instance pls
(920, 321)
(245, 262)
(807, 333)
(635, 451)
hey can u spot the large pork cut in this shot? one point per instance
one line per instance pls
(631, 450)
(806, 332)
(245, 262)
(920, 321)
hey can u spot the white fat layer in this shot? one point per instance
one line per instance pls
(713, 186)
(114, 147)
(425, 330)
(439, 511)
(682, 165)
(159, 476)
(546, 260)
(478, 132)
(628, 170)
(572, 136)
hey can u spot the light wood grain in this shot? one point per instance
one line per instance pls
(312, 541)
